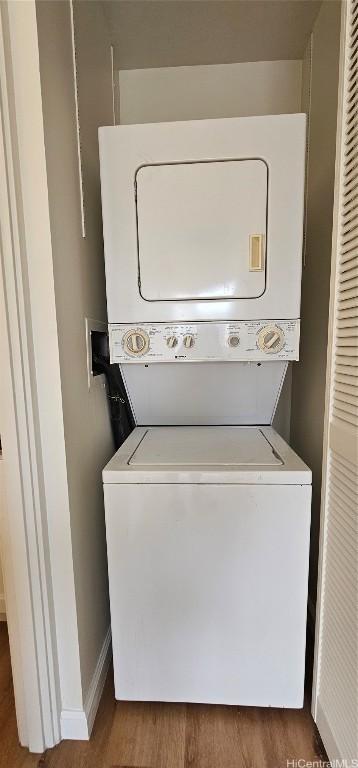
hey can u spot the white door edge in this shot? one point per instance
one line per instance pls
(335, 696)
(330, 352)
(28, 587)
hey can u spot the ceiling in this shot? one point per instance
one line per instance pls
(171, 33)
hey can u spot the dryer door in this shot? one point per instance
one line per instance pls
(201, 230)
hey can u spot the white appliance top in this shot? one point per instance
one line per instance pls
(250, 455)
(190, 446)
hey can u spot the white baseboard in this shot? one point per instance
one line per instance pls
(2, 608)
(98, 680)
(77, 724)
(74, 725)
(327, 737)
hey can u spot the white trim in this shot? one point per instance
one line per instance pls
(98, 680)
(37, 552)
(112, 75)
(77, 724)
(327, 737)
(79, 152)
(36, 505)
(28, 593)
(74, 725)
(308, 143)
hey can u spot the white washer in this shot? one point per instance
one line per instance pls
(208, 540)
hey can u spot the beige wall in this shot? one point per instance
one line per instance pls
(219, 90)
(308, 384)
(186, 33)
(80, 293)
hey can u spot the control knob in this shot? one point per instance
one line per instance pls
(233, 340)
(271, 339)
(172, 341)
(189, 341)
(136, 342)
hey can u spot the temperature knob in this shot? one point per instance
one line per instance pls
(271, 339)
(136, 342)
(189, 341)
(172, 341)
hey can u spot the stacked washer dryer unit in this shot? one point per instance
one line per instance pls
(207, 507)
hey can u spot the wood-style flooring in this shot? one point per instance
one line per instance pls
(138, 735)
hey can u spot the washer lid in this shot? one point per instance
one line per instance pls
(206, 455)
(204, 446)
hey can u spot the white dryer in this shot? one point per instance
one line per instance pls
(207, 508)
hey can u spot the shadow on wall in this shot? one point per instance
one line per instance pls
(309, 376)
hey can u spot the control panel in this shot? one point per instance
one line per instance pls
(255, 340)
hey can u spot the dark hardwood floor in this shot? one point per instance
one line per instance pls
(11, 754)
(137, 735)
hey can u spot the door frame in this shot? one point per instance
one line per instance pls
(343, 64)
(24, 234)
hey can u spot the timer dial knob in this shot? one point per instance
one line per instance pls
(271, 339)
(189, 341)
(136, 342)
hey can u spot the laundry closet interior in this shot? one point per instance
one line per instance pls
(184, 64)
